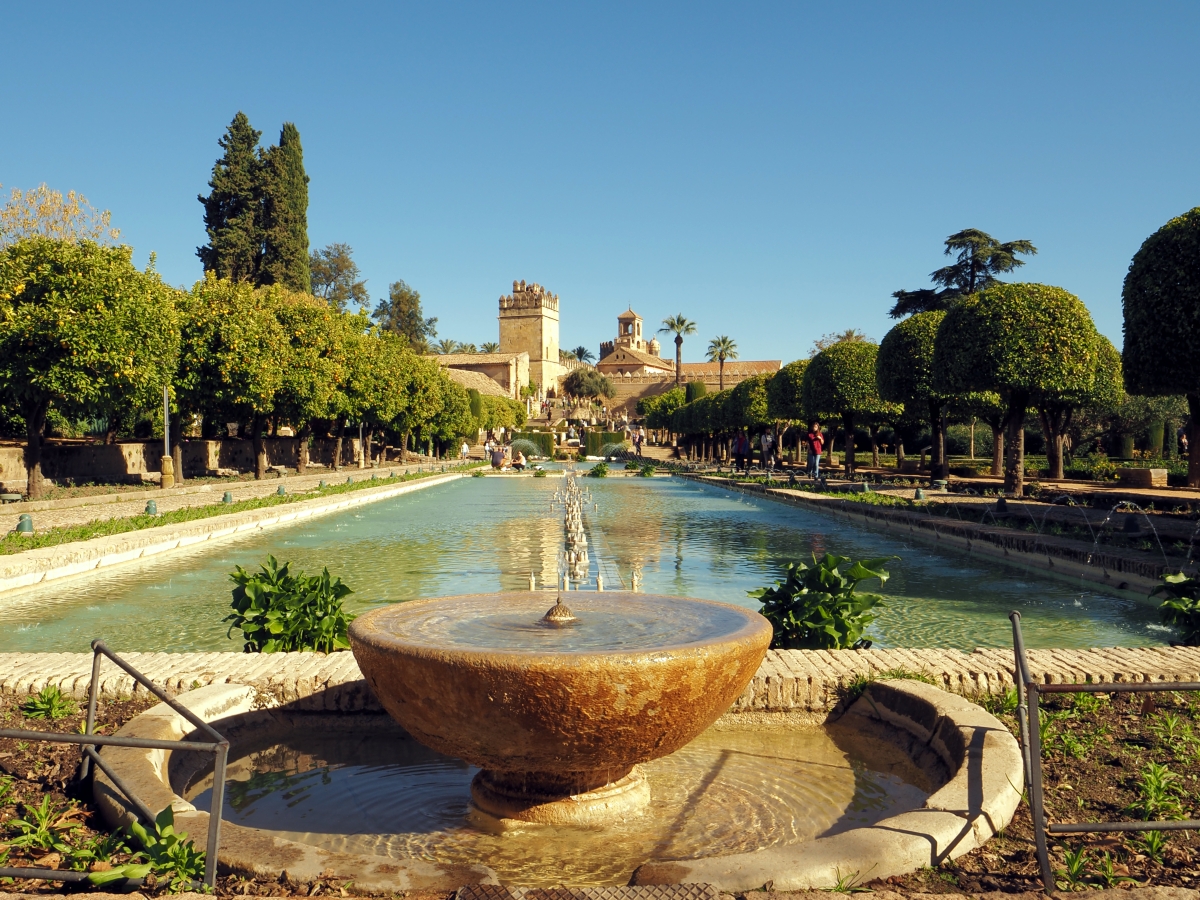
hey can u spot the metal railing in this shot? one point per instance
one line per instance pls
(1028, 718)
(218, 746)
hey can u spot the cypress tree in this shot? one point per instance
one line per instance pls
(232, 212)
(285, 214)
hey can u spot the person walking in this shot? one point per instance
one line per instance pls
(816, 443)
(767, 442)
(464, 451)
(637, 445)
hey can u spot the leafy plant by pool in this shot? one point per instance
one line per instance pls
(599, 470)
(48, 703)
(278, 611)
(817, 607)
(1181, 607)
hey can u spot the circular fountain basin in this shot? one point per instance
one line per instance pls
(558, 713)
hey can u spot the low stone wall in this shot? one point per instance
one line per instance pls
(33, 567)
(134, 461)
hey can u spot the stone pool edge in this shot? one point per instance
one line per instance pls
(79, 558)
(980, 797)
(977, 799)
(1057, 556)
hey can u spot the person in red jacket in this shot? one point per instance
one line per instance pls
(816, 443)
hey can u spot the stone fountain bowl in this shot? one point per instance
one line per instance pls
(558, 708)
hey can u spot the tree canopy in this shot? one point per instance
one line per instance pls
(335, 278)
(980, 258)
(589, 384)
(785, 393)
(904, 376)
(1023, 341)
(83, 331)
(1161, 300)
(285, 213)
(840, 381)
(401, 313)
(42, 212)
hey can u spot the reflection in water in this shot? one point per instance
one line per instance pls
(488, 534)
(729, 791)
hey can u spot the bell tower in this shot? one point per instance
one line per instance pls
(529, 323)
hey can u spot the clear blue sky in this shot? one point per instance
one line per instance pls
(773, 172)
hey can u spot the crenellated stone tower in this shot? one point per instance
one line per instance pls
(529, 323)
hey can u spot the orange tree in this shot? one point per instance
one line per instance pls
(82, 331)
(904, 375)
(232, 363)
(840, 382)
(1026, 342)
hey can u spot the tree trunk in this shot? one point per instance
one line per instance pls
(1014, 470)
(848, 425)
(678, 358)
(938, 467)
(260, 447)
(721, 375)
(874, 430)
(177, 453)
(997, 448)
(35, 437)
(1194, 442)
(337, 444)
(899, 452)
(368, 446)
(972, 439)
(303, 436)
(1054, 427)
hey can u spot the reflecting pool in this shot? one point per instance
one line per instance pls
(476, 535)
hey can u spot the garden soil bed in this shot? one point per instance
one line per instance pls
(1097, 762)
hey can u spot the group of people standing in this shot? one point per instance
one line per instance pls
(743, 450)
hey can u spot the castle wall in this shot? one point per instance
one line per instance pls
(529, 323)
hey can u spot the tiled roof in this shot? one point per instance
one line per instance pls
(732, 367)
(629, 314)
(477, 380)
(465, 359)
(647, 359)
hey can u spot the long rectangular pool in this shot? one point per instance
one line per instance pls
(488, 534)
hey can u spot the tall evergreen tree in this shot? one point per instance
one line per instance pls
(285, 214)
(233, 211)
(980, 259)
(401, 312)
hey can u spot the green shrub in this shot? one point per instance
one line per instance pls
(543, 440)
(48, 703)
(816, 607)
(647, 471)
(278, 611)
(1182, 606)
(694, 390)
(599, 470)
(539, 473)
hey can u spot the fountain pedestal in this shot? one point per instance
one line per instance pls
(558, 709)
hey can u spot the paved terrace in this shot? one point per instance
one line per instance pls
(801, 681)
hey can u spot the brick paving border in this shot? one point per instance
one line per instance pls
(802, 681)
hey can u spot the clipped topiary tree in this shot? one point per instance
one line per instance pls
(1161, 299)
(904, 375)
(840, 382)
(1021, 341)
(1056, 408)
(695, 390)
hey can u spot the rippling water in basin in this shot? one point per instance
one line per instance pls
(729, 791)
(487, 534)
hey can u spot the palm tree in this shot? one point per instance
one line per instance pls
(583, 354)
(489, 347)
(678, 326)
(446, 346)
(721, 348)
(467, 348)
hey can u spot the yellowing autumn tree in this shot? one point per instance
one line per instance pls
(42, 212)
